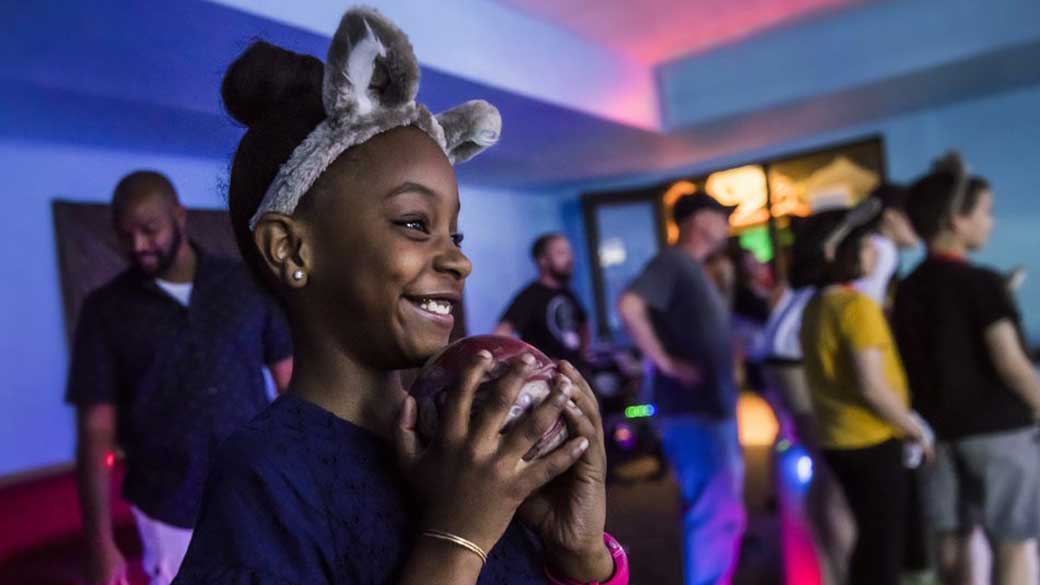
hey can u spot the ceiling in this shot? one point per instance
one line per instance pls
(130, 75)
(662, 30)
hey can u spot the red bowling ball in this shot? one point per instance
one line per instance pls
(444, 370)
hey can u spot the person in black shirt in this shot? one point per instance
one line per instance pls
(547, 314)
(958, 331)
(167, 361)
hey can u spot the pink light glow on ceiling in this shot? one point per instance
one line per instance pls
(654, 31)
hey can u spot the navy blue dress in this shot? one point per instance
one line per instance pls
(302, 497)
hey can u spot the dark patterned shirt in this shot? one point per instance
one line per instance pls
(182, 378)
(302, 497)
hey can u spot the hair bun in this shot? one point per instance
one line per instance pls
(266, 78)
(950, 163)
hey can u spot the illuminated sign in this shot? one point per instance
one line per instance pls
(745, 188)
(742, 187)
(840, 183)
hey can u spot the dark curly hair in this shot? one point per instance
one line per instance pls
(276, 94)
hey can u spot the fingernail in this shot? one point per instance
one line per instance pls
(560, 399)
(582, 445)
(527, 359)
(484, 354)
(571, 405)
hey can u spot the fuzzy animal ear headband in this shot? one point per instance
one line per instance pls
(371, 80)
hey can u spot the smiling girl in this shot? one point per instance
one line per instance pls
(345, 202)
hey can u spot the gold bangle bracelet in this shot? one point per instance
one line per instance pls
(458, 540)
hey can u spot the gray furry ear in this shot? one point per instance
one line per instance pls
(469, 129)
(370, 66)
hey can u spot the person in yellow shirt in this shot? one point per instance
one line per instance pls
(859, 394)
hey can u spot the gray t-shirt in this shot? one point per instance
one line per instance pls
(693, 323)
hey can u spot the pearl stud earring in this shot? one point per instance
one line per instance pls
(298, 275)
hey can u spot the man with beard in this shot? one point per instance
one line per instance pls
(167, 361)
(547, 314)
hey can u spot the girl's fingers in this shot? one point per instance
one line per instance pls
(498, 400)
(455, 415)
(528, 430)
(578, 423)
(539, 472)
(585, 397)
(583, 426)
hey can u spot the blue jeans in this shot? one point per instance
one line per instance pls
(708, 463)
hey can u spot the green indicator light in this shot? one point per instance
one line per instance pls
(640, 411)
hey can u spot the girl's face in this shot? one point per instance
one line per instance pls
(976, 226)
(387, 271)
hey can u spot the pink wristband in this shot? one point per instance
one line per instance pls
(620, 576)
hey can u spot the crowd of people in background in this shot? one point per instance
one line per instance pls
(927, 373)
(916, 395)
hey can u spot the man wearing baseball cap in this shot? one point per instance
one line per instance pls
(680, 322)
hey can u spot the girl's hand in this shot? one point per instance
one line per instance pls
(570, 513)
(471, 478)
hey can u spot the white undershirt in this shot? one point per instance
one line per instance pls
(782, 331)
(875, 284)
(178, 290)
